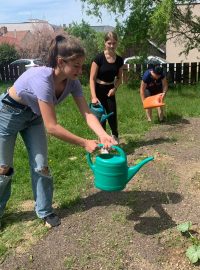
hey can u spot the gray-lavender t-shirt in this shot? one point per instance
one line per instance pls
(37, 84)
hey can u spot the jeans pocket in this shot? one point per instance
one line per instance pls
(5, 108)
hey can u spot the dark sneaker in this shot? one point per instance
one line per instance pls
(52, 220)
(162, 120)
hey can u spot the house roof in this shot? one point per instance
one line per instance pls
(162, 50)
(13, 37)
(27, 26)
(20, 35)
(9, 40)
(102, 28)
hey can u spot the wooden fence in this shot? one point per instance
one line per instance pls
(185, 73)
(10, 73)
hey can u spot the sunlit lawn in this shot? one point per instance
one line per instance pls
(72, 176)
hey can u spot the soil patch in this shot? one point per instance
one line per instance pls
(134, 229)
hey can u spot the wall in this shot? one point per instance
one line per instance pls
(173, 48)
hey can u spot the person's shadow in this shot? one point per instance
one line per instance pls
(139, 201)
(132, 145)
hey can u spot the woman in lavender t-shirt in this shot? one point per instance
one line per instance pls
(29, 108)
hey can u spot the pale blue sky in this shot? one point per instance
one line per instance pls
(54, 11)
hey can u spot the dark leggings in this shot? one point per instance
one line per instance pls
(109, 103)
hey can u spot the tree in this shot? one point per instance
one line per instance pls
(100, 41)
(37, 45)
(154, 20)
(88, 37)
(90, 40)
(8, 53)
(186, 27)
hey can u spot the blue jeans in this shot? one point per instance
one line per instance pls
(16, 119)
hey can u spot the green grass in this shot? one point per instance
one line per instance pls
(72, 176)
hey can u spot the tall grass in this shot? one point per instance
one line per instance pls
(72, 176)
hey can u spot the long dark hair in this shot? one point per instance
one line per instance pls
(66, 47)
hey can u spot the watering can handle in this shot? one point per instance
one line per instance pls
(95, 104)
(89, 160)
(91, 164)
(117, 148)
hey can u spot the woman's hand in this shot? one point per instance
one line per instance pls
(91, 145)
(95, 100)
(162, 95)
(112, 92)
(108, 141)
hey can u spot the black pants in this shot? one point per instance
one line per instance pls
(109, 103)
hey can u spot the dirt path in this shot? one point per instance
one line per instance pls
(134, 229)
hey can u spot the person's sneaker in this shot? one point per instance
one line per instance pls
(161, 120)
(51, 221)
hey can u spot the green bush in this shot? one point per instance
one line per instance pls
(8, 53)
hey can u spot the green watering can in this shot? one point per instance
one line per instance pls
(99, 111)
(111, 172)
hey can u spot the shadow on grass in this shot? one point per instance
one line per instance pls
(130, 147)
(175, 119)
(15, 217)
(139, 201)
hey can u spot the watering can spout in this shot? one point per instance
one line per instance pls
(134, 169)
(104, 117)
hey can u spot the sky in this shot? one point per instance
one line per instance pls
(56, 12)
